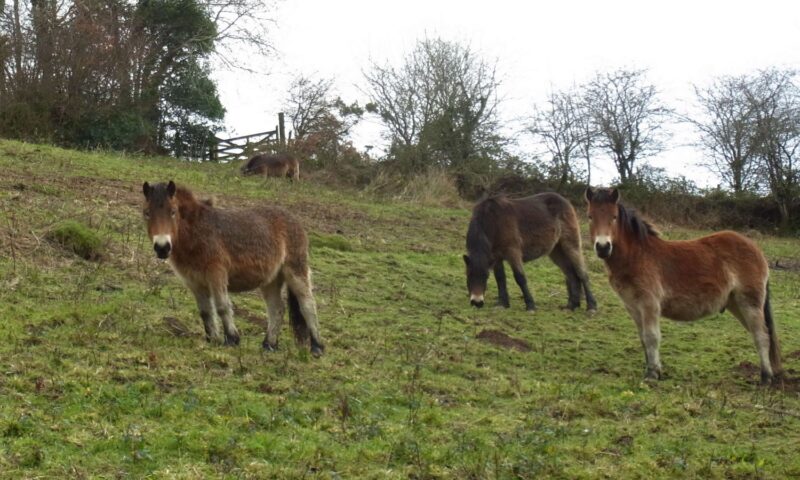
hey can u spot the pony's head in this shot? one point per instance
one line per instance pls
(603, 208)
(477, 276)
(161, 214)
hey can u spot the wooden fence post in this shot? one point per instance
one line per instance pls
(281, 130)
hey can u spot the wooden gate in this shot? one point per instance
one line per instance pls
(242, 148)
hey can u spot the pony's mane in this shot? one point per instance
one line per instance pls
(629, 220)
(190, 203)
(486, 218)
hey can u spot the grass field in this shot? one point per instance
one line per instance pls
(104, 372)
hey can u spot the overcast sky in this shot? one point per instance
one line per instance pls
(539, 46)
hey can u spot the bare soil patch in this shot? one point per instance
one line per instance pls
(500, 339)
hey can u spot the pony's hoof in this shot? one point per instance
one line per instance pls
(316, 351)
(591, 311)
(766, 379)
(502, 305)
(531, 308)
(269, 347)
(652, 375)
(231, 340)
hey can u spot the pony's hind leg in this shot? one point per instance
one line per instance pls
(502, 289)
(573, 282)
(305, 309)
(751, 316)
(275, 310)
(575, 257)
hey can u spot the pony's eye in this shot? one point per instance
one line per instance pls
(172, 213)
(590, 217)
(147, 214)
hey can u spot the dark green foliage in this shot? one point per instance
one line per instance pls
(114, 75)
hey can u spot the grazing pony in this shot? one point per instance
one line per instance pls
(682, 280)
(273, 165)
(218, 251)
(521, 230)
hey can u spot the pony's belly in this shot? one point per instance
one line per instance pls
(245, 282)
(688, 309)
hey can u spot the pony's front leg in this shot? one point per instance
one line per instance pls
(519, 277)
(225, 312)
(206, 308)
(647, 321)
(502, 289)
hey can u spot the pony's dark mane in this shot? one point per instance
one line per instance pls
(189, 204)
(486, 217)
(629, 220)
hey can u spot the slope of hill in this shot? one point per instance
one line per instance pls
(104, 372)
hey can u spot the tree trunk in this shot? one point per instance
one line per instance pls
(784, 209)
(588, 170)
(17, 47)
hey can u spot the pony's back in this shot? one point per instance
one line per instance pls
(270, 164)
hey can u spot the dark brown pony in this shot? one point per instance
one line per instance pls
(521, 230)
(273, 165)
(682, 280)
(218, 251)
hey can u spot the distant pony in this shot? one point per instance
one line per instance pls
(273, 165)
(682, 280)
(521, 230)
(218, 251)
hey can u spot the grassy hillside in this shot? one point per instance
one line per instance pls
(104, 372)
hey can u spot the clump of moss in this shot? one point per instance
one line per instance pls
(334, 242)
(77, 238)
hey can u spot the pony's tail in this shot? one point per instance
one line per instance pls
(299, 326)
(774, 346)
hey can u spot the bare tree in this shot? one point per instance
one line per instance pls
(775, 98)
(564, 130)
(441, 102)
(308, 104)
(628, 116)
(727, 131)
(321, 122)
(241, 24)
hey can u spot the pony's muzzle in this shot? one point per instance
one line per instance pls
(476, 300)
(162, 251)
(162, 244)
(603, 249)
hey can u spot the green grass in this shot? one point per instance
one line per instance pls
(97, 384)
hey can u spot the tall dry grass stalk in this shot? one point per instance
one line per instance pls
(433, 187)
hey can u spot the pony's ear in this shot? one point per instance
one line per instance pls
(145, 189)
(588, 194)
(466, 260)
(615, 195)
(171, 188)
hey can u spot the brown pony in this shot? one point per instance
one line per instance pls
(682, 280)
(218, 251)
(273, 165)
(522, 230)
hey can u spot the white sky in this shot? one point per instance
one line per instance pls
(539, 46)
